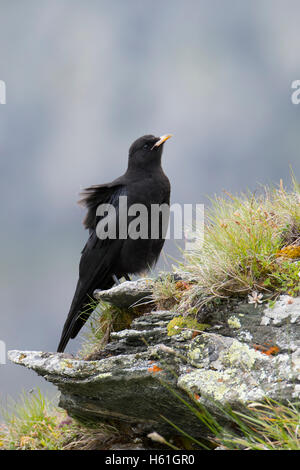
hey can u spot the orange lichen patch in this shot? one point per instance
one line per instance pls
(195, 333)
(290, 252)
(67, 364)
(182, 285)
(267, 349)
(272, 351)
(154, 369)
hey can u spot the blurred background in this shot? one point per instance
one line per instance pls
(84, 78)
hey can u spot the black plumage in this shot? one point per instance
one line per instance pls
(104, 261)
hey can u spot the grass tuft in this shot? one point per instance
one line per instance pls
(242, 242)
(33, 423)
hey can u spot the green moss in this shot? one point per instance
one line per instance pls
(177, 324)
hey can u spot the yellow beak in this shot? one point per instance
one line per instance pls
(162, 139)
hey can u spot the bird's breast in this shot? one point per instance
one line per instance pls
(147, 223)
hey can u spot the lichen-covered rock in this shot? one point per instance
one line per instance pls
(285, 310)
(244, 355)
(231, 372)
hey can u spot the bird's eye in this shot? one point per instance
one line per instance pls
(146, 146)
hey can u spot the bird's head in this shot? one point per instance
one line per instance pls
(146, 151)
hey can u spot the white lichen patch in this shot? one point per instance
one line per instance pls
(234, 322)
(101, 377)
(286, 309)
(212, 352)
(295, 363)
(223, 386)
(296, 393)
(196, 355)
(244, 336)
(240, 355)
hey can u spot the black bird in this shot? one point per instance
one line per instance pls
(105, 261)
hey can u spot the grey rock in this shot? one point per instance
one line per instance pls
(141, 369)
(127, 294)
(231, 372)
(286, 310)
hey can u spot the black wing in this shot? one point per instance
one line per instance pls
(96, 263)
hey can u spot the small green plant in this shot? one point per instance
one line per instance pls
(271, 303)
(285, 278)
(165, 292)
(105, 318)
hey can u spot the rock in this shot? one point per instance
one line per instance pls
(286, 310)
(245, 355)
(231, 372)
(127, 294)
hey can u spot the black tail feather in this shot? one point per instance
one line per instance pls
(73, 326)
(81, 308)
